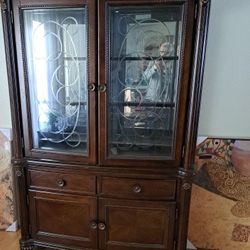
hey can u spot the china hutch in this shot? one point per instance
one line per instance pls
(105, 99)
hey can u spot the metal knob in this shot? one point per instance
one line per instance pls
(101, 226)
(60, 183)
(137, 188)
(91, 87)
(102, 88)
(93, 225)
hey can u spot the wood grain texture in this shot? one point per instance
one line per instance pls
(151, 189)
(136, 224)
(63, 219)
(62, 182)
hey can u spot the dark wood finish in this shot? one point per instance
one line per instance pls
(151, 189)
(63, 219)
(62, 182)
(30, 151)
(186, 171)
(16, 148)
(196, 82)
(136, 224)
(68, 202)
(185, 63)
(29, 3)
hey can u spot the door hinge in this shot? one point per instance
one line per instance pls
(176, 213)
(11, 17)
(22, 142)
(174, 247)
(27, 200)
(183, 152)
(196, 11)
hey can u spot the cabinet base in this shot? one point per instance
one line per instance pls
(26, 245)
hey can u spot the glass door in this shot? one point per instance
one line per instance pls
(59, 80)
(144, 81)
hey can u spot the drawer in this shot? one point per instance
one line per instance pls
(66, 182)
(153, 189)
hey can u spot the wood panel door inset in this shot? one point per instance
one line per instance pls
(141, 225)
(63, 219)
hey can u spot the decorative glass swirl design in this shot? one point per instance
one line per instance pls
(144, 45)
(56, 51)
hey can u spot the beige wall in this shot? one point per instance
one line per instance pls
(5, 119)
(226, 91)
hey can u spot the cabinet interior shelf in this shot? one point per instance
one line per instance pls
(146, 58)
(144, 104)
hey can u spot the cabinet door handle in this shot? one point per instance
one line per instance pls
(93, 225)
(60, 183)
(102, 88)
(101, 226)
(137, 188)
(91, 87)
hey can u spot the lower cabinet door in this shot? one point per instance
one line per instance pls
(144, 225)
(63, 219)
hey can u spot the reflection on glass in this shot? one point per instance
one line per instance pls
(143, 80)
(56, 50)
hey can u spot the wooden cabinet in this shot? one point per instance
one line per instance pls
(136, 224)
(63, 219)
(105, 100)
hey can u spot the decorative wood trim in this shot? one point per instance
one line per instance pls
(183, 198)
(26, 245)
(196, 82)
(17, 154)
(186, 186)
(46, 3)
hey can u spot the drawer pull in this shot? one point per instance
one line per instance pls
(136, 188)
(101, 226)
(60, 183)
(93, 225)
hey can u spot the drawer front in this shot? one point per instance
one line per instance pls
(154, 189)
(66, 182)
